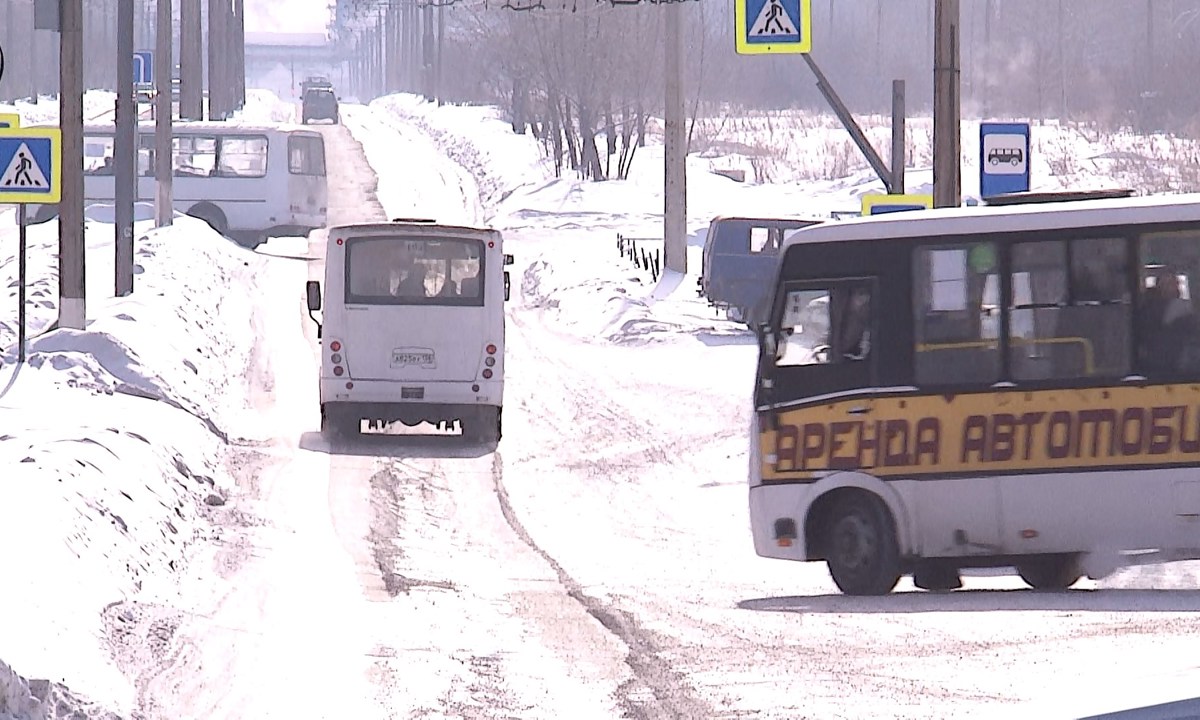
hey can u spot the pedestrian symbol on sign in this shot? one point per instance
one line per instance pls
(773, 20)
(23, 172)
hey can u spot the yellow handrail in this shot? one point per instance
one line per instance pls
(1089, 354)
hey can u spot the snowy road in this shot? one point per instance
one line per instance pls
(598, 565)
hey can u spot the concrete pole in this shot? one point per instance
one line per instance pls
(72, 306)
(238, 67)
(164, 63)
(125, 151)
(947, 119)
(217, 85)
(675, 161)
(898, 132)
(427, 52)
(191, 58)
(438, 90)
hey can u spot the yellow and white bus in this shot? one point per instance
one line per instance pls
(991, 387)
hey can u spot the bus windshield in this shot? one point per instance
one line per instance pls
(414, 271)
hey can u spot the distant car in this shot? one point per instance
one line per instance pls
(320, 104)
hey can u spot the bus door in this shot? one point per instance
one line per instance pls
(415, 307)
(817, 373)
(307, 183)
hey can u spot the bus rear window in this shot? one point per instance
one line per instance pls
(306, 155)
(414, 271)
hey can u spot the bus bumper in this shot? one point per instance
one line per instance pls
(409, 402)
(777, 520)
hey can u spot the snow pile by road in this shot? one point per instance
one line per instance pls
(113, 443)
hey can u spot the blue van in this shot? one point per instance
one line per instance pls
(739, 263)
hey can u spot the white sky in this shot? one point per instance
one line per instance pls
(287, 16)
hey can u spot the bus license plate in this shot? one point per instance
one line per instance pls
(412, 393)
(422, 358)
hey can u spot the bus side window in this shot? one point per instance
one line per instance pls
(1168, 324)
(955, 314)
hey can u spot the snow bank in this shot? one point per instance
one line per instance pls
(112, 443)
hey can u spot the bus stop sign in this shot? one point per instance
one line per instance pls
(1003, 158)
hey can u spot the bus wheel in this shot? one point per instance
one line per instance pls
(861, 548)
(1050, 572)
(212, 215)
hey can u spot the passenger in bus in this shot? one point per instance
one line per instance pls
(1166, 323)
(412, 283)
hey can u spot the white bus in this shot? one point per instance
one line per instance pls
(246, 182)
(413, 327)
(997, 387)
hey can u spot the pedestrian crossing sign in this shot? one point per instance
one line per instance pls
(30, 165)
(773, 26)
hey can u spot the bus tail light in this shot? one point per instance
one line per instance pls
(487, 373)
(491, 349)
(336, 357)
(489, 361)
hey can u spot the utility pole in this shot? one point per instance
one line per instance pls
(675, 140)
(124, 151)
(164, 63)
(440, 91)
(427, 53)
(191, 58)
(238, 54)
(217, 82)
(72, 303)
(947, 120)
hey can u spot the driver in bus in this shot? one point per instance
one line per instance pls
(855, 340)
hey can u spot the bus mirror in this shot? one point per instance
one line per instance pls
(508, 259)
(507, 285)
(314, 296)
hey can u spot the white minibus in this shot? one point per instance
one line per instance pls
(413, 327)
(1007, 387)
(247, 182)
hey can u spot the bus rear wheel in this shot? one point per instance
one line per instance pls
(861, 548)
(1050, 572)
(212, 215)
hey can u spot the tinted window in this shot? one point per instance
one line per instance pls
(414, 271)
(956, 306)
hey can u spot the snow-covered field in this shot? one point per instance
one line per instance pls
(178, 541)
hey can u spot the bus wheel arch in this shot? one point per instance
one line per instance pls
(211, 214)
(855, 532)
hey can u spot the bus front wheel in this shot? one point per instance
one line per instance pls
(861, 548)
(1050, 572)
